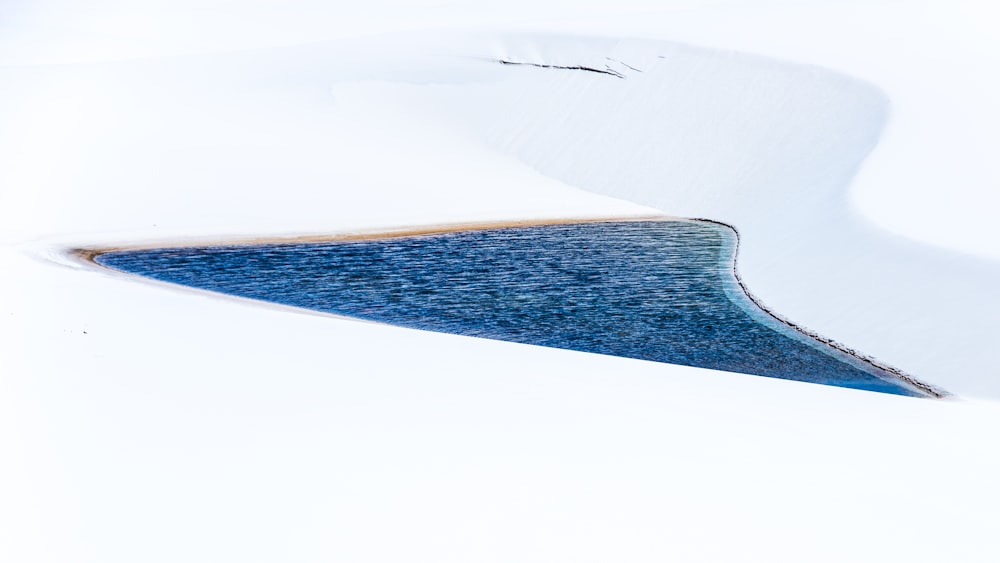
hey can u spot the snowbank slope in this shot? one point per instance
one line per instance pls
(769, 147)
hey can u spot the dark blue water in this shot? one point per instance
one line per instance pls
(655, 290)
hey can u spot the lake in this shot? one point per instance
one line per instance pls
(657, 290)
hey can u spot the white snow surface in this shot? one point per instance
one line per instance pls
(767, 146)
(144, 422)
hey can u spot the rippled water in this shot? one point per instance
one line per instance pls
(655, 290)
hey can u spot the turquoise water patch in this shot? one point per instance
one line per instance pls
(663, 291)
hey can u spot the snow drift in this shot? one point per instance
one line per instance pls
(767, 146)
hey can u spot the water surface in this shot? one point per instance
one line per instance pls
(663, 291)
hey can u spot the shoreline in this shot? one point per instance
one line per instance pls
(852, 355)
(89, 253)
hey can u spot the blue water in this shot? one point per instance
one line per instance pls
(655, 290)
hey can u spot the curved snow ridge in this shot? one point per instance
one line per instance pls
(858, 359)
(764, 144)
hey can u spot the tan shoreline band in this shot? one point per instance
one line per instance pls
(90, 253)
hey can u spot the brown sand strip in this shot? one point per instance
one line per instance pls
(90, 253)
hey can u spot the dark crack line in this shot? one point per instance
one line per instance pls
(624, 64)
(606, 70)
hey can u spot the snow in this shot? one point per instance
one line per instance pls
(767, 146)
(138, 422)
